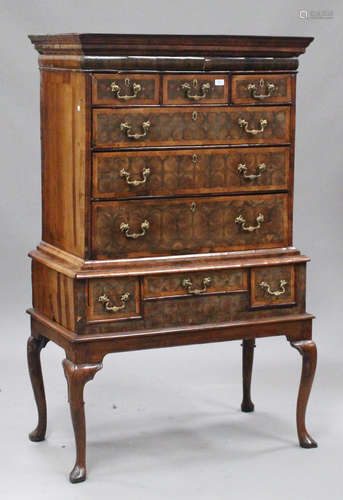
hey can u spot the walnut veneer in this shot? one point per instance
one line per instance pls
(167, 192)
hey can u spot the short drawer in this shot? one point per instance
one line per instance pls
(110, 299)
(195, 89)
(190, 126)
(125, 90)
(272, 286)
(195, 283)
(169, 173)
(189, 225)
(259, 89)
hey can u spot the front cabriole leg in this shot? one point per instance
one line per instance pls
(308, 350)
(34, 347)
(77, 376)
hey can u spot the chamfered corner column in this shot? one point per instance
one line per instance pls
(34, 347)
(77, 376)
(308, 351)
(248, 346)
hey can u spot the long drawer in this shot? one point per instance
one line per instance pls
(188, 225)
(169, 173)
(190, 126)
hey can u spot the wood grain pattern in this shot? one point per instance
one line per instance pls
(240, 93)
(53, 294)
(216, 307)
(272, 275)
(308, 351)
(77, 376)
(204, 171)
(178, 227)
(95, 344)
(109, 44)
(114, 288)
(177, 126)
(64, 132)
(34, 347)
(173, 93)
(190, 171)
(102, 93)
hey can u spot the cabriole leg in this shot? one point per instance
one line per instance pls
(308, 350)
(77, 376)
(248, 346)
(34, 347)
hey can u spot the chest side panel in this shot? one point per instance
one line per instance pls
(64, 158)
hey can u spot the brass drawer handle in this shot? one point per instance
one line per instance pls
(187, 284)
(125, 228)
(276, 293)
(242, 169)
(136, 89)
(187, 87)
(125, 126)
(107, 302)
(240, 220)
(262, 84)
(126, 175)
(245, 125)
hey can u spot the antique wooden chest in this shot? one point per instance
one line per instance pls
(167, 192)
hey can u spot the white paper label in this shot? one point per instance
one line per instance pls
(219, 82)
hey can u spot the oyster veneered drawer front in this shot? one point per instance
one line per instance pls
(110, 299)
(190, 126)
(125, 89)
(189, 225)
(169, 173)
(259, 89)
(195, 283)
(195, 89)
(272, 286)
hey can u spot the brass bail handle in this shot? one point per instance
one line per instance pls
(137, 182)
(188, 285)
(252, 88)
(136, 89)
(125, 228)
(276, 293)
(204, 89)
(127, 128)
(108, 304)
(241, 220)
(253, 131)
(242, 169)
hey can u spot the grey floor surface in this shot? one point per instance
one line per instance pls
(165, 424)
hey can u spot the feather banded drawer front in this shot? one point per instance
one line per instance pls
(167, 182)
